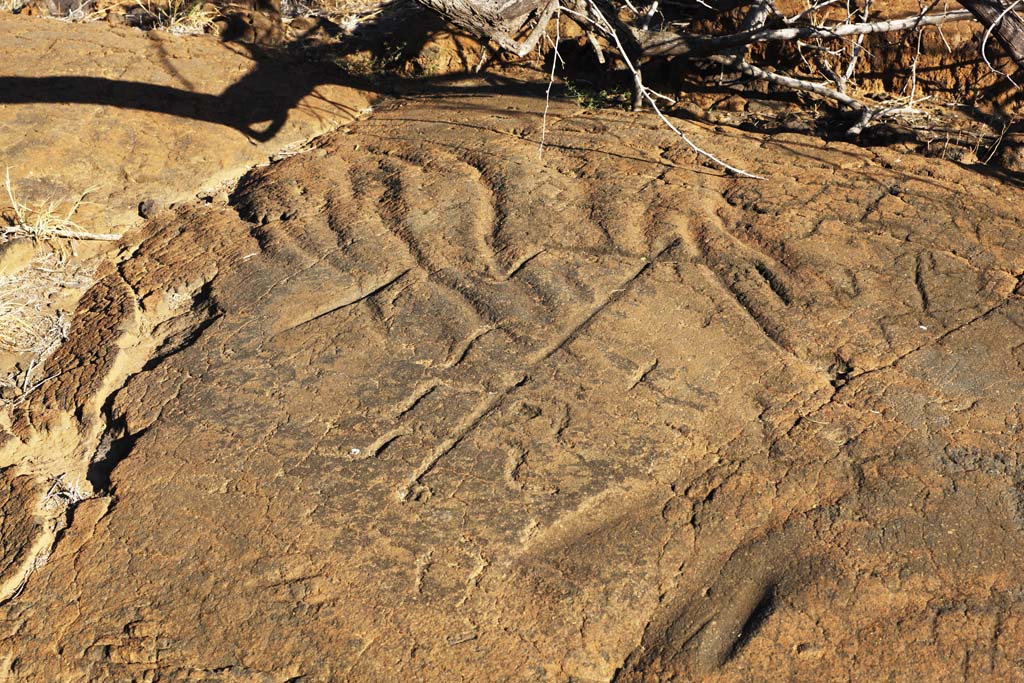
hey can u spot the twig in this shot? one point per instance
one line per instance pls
(484, 54)
(521, 49)
(592, 39)
(867, 114)
(654, 105)
(913, 68)
(646, 22)
(62, 233)
(857, 48)
(860, 28)
(999, 141)
(808, 11)
(27, 391)
(551, 80)
(64, 493)
(756, 16)
(28, 375)
(749, 69)
(662, 43)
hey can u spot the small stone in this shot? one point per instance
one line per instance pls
(149, 208)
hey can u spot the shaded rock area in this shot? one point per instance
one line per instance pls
(142, 120)
(419, 404)
(103, 127)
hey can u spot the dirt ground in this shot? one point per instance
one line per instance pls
(408, 399)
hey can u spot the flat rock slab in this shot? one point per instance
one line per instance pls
(140, 117)
(424, 406)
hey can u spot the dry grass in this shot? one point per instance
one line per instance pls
(45, 222)
(11, 5)
(181, 17)
(63, 494)
(32, 322)
(348, 14)
(28, 322)
(84, 12)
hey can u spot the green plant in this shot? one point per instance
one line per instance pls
(589, 96)
(389, 59)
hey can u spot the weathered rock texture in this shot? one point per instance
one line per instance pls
(146, 117)
(416, 405)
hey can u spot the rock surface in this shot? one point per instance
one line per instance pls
(15, 255)
(139, 117)
(418, 405)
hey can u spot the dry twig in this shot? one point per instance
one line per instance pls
(606, 27)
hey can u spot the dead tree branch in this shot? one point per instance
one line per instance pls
(674, 44)
(1006, 25)
(632, 35)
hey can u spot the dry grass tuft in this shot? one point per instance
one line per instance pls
(45, 223)
(85, 11)
(31, 323)
(32, 320)
(181, 17)
(28, 322)
(63, 494)
(11, 5)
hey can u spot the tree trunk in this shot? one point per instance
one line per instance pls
(498, 20)
(1009, 31)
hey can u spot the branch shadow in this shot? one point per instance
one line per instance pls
(260, 102)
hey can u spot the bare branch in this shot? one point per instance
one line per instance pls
(857, 48)
(788, 82)
(654, 105)
(1009, 27)
(668, 43)
(524, 48)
